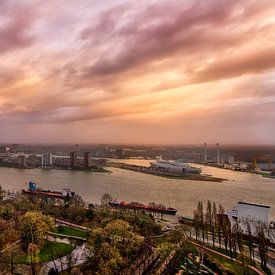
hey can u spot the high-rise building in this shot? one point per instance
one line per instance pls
(22, 161)
(87, 159)
(73, 159)
(46, 160)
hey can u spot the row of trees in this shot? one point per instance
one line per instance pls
(216, 224)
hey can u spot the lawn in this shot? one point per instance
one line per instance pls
(71, 231)
(227, 263)
(51, 251)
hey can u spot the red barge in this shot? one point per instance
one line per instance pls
(33, 190)
(140, 206)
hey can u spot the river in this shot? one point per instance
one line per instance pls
(133, 186)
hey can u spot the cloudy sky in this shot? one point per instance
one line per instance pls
(146, 71)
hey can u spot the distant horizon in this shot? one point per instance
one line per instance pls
(138, 144)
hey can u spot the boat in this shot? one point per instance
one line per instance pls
(175, 166)
(34, 190)
(140, 206)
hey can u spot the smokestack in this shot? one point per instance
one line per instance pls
(205, 152)
(218, 153)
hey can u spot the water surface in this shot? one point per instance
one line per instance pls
(133, 186)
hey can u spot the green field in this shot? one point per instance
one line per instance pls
(51, 251)
(71, 231)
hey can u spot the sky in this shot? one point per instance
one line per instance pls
(139, 72)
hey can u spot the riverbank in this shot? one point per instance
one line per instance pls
(97, 169)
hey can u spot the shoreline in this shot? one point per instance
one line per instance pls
(99, 169)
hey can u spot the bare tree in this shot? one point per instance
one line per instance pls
(208, 218)
(250, 240)
(200, 217)
(214, 222)
(106, 199)
(262, 243)
(196, 223)
(219, 223)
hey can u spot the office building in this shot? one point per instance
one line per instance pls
(73, 159)
(46, 160)
(87, 159)
(22, 161)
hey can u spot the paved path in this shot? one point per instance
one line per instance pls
(227, 257)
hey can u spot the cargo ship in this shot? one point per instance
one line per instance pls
(140, 206)
(34, 190)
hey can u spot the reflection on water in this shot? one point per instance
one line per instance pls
(133, 186)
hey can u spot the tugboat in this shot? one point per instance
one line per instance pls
(140, 206)
(34, 190)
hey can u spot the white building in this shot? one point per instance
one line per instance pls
(251, 213)
(46, 160)
(231, 159)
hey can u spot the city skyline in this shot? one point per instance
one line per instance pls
(164, 72)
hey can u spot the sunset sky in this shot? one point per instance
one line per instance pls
(146, 71)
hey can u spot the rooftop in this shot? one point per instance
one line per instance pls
(253, 204)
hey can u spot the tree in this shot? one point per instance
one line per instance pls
(76, 201)
(200, 217)
(219, 222)
(214, 221)
(33, 257)
(112, 248)
(196, 223)
(34, 227)
(226, 230)
(106, 198)
(262, 243)
(250, 240)
(10, 258)
(2, 193)
(239, 237)
(244, 269)
(208, 218)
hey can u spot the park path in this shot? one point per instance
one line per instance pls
(227, 257)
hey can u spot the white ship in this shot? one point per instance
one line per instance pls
(175, 166)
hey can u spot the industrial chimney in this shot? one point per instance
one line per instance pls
(218, 153)
(205, 152)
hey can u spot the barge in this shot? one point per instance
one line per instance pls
(34, 190)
